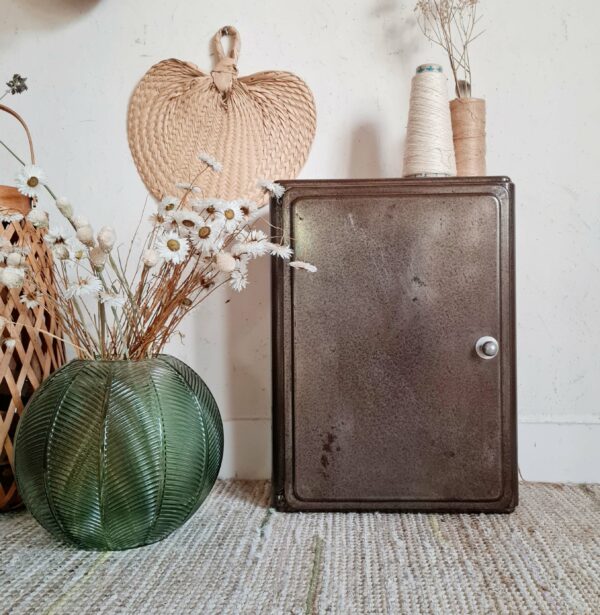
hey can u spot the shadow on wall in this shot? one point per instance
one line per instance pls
(401, 45)
(401, 35)
(248, 346)
(51, 13)
(365, 153)
(248, 371)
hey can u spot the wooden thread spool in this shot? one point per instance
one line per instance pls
(468, 128)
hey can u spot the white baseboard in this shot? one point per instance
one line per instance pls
(247, 449)
(551, 449)
(560, 450)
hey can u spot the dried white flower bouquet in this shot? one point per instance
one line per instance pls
(452, 24)
(120, 306)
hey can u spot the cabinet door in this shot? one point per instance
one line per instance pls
(382, 400)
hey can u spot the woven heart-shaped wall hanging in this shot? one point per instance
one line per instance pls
(258, 127)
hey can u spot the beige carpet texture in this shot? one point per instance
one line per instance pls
(236, 556)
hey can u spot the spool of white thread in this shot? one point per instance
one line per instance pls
(429, 150)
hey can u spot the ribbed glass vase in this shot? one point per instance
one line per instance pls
(113, 455)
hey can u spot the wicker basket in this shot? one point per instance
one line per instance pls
(35, 355)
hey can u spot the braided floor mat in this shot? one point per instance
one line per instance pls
(238, 556)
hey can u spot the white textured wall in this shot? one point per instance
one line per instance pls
(537, 65)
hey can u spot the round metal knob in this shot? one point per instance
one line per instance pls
(487, 347)
(490, 349)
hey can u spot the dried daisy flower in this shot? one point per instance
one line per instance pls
(214, 164)
(84, 286)
(229, 215)
(246, 207)
(79, 221)
(85, 234)
(238, 280)
(172, 247)
(77, 250)
(168, 204)
(107, 238)
(303, 265)
(205, 239)
(280, 250)
(277, 190)
(188, 187)
(98, 258)
(55, 236)
(61, 252)
(11, 217)
(150, 258)
(30, 181)
(111, 299)
(225, 262)
(65, 207)
(156, 219)
(253, 243)
(14, 259)
(12, 277)
(187, 221)
(30, 300)
(38, 218)
(208, 206)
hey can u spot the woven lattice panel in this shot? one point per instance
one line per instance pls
(35, 355)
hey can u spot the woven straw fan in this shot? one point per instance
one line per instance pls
(259, 127)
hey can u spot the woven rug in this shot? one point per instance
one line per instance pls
(238, 556)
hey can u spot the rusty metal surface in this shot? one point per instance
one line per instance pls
(380, 400)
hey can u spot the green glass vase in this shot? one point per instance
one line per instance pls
(113, 455)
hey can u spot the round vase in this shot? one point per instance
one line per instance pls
(114, 455)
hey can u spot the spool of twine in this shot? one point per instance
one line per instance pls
(429, 150)
(468, 127)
